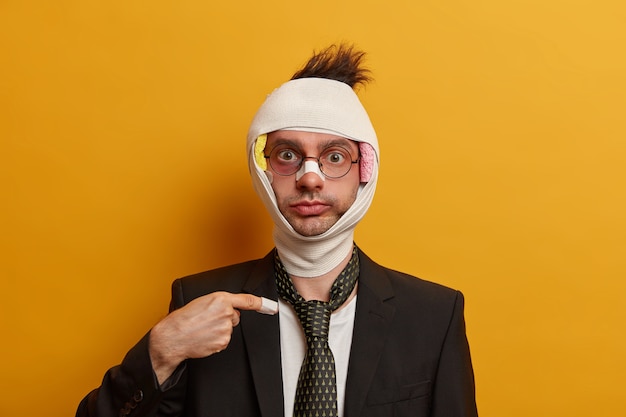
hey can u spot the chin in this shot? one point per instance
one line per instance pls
(307, 233)
(312, 225)
(310, 230)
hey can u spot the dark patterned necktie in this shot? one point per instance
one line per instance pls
(316, 392)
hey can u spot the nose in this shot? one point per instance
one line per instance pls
(309, 177)
(309, 181)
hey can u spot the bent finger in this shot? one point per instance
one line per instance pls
(235, 318)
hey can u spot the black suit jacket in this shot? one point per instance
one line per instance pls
(409, 355)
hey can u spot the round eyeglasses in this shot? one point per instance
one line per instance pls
(334, 162)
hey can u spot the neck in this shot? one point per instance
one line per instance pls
(315, 256)
(318, 288)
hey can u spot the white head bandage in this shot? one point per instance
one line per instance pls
(323, 106)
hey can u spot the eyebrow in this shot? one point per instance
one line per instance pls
(344, 142)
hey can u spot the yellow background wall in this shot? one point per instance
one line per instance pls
(502, 130)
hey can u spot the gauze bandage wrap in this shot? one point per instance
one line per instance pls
(323, 106)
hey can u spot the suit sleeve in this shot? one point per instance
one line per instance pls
(454, 390)
(131, 388)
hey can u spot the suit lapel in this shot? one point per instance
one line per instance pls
(371, 325)
(262, 340)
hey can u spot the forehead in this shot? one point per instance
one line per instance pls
(308, 140)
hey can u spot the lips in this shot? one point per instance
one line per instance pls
(309, 208)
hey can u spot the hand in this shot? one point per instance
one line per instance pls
(199, 329)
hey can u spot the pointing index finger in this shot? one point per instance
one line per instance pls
(254, 303)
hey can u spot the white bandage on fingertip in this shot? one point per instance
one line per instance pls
(268, 306)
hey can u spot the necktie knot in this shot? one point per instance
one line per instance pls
(314, 317)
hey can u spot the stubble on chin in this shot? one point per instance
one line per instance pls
(312, 227)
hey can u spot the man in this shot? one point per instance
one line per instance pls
(346, 336)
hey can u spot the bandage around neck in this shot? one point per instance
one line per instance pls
(322, 106)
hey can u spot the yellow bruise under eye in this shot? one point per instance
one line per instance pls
(259, 154)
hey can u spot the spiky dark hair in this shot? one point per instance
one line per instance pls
(341, 62)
